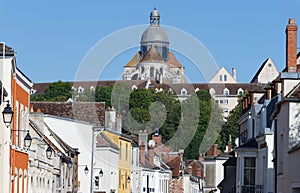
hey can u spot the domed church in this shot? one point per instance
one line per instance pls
(154, 61)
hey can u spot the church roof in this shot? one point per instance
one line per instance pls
(173, 62)
(152, 56)
(134, 61)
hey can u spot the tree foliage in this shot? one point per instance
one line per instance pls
(56, 91)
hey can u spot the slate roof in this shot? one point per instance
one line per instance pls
(104, 141)
(295, 92)
(7, 48)
(252, 144)
(91, 112)
(190, 87)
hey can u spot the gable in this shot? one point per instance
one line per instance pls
(223, 76)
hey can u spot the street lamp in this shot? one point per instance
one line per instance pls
(7, 114)
(48, 152)
(27, 139)
(101, 173)
(86, 169)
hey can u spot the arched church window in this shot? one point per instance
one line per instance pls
(152, 72)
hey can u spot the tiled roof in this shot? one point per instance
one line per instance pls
(7, 48)
(91, 112)
(41, 87)
(173, 62)
(152, 56)
(135, 60)
(104, 141)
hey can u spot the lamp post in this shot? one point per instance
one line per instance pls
(86, 169)
(27, 139)
(94, 129)
(7, 114)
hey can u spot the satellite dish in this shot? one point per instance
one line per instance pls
(151, 143)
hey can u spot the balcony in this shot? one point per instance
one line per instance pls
(253, 189)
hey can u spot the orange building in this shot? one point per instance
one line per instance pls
(14, 155)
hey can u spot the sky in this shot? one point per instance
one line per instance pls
(52, 38)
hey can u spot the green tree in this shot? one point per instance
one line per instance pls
(56, 91)
(103, 94)
(230, 127)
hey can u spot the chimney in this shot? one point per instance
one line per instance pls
(213, 150)
(157, 138)
(190, 169)
(291, 46)
(151, 154)
(269, 93)
(234, 73)
(119, 123)
(143, 138)
(142, 153)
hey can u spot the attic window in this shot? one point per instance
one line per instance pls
(240, 91)
(269, 65)
(80, 89)
(221, 77)
(225, 77)
(183, 91)
(226, 92)
(133, 87)
(92, 88)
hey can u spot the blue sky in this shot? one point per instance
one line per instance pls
(51, 38)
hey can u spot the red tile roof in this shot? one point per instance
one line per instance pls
(173, 62)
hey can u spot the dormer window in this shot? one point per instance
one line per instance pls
(134, 87)
(196, 90)
(212, 92)
(183, 91)
(240, 91)
(92, 88)
(226, 92)
(80, 89)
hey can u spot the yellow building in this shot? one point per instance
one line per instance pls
(124, 162)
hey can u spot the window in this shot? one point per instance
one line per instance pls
(80, 89)
(240, 91)
(225, 77)
(225, 110)
(133, 87)
(225, 101)
(217, 101)
(152, 72)
(120, 177)
(249, 171)
(126, 155)
(221, 77)
(183, 91)
(212, 92)
(226, 92)
(92, 88)
(120, 155)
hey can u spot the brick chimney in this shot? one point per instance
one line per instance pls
(291, 46)
(213, 150)
(190, 169)
(157, 139)
(151, 154)
(142, 153)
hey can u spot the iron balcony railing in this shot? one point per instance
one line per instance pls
(253, 189)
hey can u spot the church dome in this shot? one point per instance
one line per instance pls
(154, 33)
